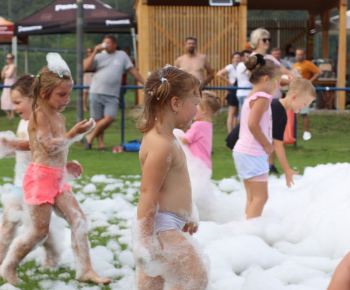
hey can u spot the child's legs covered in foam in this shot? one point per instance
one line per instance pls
(68, 207)
(183, 267)
(37, 229)
(10, 220)
(257, 188)
(145, 282)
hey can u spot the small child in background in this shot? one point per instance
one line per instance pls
(44, 186)
(255, 137)
(301, 94)
(200, 137)
(197, 145)
(166, 257)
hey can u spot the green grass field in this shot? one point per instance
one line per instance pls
(330, 143)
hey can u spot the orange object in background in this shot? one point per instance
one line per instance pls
(289, 137)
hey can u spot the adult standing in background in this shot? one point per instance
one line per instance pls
(87, 81)
(276, 53)
(242, 81)
(9, 74)
(195, 63)
(105, 86)
(229, 75)
(311, 72)
(290, 50)
(260, 42)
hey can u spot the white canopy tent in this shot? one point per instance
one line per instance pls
(334, 25)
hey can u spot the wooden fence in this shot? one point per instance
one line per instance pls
(217, 31)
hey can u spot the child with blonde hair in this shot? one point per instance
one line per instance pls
(44, 186)
(255, 137)
(301, 94)
(19, 147)
(165, 255)
(199, 137)
(197, 145)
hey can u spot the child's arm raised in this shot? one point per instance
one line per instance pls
(154, 171)
(258, 107)
(281, 155)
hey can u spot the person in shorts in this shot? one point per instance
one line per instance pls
(105, 86)
(229, 74)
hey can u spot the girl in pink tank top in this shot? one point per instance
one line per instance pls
(255, 137)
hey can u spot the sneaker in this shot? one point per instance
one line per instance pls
(273, 169)
(306, 136)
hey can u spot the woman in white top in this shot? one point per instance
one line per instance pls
(229, 75)
(9, 75)
(242, 81)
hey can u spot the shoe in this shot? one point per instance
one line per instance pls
(273, 169)
(102, 149)
(88, 146)
(306, 136)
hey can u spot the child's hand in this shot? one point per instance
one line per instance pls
(84, 126)
(183, 140)
(269, 148)
(74, 168)
(190, 227)
(4, 142)
(289, 177)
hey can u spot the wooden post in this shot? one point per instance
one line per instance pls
(325, 32)
(243, 24)
(142, 16)
(310, 37)
(341, 102)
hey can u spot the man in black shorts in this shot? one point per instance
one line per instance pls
(229, 75)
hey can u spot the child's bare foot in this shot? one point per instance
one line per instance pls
(92, 276)
(10, 276)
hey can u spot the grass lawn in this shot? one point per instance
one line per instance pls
(330, 143)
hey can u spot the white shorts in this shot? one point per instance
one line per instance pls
(248, 166)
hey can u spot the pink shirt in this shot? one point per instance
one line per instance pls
(199, 139)
(246, 143)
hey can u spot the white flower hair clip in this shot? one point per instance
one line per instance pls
(56, 64)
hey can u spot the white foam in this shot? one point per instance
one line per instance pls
(296, 244)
